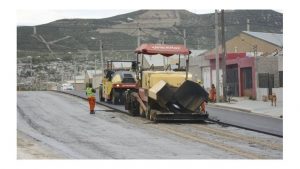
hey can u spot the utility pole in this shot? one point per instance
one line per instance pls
(47, 83)
(29, 57)
(184, 37)
(62, 77)
(223, 56)
(36, 83)
(61, 70)
(163, 42)
(163, 38)
(101, 57)
(139, 35)
(217, 55)
(34, 30)
(255, 69)
(95, 64)
(248, 25)
(187, 60)
(74, 73)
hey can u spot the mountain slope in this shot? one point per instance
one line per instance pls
(120, 32)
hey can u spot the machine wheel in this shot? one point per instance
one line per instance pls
(142, 112)
(101, 94)
(114, 97)
(127, 100)
(152, 115)
(147, 114)
(122, 97)
(134, 106)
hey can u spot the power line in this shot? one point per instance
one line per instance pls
(89, 27)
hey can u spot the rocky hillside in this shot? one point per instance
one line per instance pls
(120, 32)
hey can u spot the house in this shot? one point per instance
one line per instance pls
(94, 77)
(121, 65)
(240, 73)
(270, 76)
(255, 42)
(248, 56)
(80, 84)
(200, 67)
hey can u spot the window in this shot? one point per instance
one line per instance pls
(265, 80)
(128, 80)
(247, 78)
(128, 75)
(280, 78)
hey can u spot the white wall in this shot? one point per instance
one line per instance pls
(264, 92)
(280, 62)
(96, 80)
(279, 93)
(206, 77)
(220, 80)
(260, 92)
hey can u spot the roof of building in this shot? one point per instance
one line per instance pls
(77, 81)
(91, 73)
(197, 52)
(273, 38)
(121, 65)
(80, 77)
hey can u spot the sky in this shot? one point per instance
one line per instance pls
(37, 17)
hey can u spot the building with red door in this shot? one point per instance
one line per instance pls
(252, 63)
(240, 71)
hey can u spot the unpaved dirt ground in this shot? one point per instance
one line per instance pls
(54, 126)
(30, 148)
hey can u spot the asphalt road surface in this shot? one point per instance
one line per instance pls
(54, 125)
(247, 120)
(230, 116)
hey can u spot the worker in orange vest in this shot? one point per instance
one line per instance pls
(213, 93)
(90, 92)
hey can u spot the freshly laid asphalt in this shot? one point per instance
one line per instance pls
(243, 119)
(247, 120)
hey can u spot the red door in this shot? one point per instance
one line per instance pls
(246, 81)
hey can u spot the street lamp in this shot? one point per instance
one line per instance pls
(101, 55)
(29, 57)
(74, 61)
(61, 70)
(139, 31)
(95, 67)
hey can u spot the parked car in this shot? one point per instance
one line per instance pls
(67, 86)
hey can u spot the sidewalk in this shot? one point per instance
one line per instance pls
(252, 106)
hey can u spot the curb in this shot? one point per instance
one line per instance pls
(98, 102)
(209, 105)
(241, 109)
(228, 107)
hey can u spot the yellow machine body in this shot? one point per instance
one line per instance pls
(172, 78)
(107, 86)
(116, 79)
